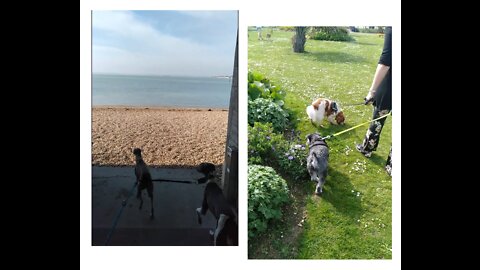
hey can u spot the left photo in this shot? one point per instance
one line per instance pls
(164, 128)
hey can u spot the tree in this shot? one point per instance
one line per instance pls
(298, 40)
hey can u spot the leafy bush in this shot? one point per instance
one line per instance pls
(292, 159)
(287, 28)
(330, 33)
(263, 144)
(266, 111)
(377, 30)
(259, 86)
(267, 193)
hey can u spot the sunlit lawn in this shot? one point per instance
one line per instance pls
(353, 218)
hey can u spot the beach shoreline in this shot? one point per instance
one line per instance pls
(168, 136)
(162, 108)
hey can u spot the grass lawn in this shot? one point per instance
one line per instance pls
(353, 218)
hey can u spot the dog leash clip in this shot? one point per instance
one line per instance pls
(327, 137)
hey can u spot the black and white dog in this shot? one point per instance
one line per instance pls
(317, 160)
(226, 232)
(144, 179)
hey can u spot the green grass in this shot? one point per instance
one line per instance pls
(353, 218)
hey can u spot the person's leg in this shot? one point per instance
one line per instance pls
(370, 142)
(388, 166)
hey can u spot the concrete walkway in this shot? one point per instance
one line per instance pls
(175, 222)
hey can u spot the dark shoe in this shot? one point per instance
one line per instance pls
(388, 168)
(360, 149)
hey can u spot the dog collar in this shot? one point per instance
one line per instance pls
(318, 143)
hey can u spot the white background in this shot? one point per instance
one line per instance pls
(264, 12)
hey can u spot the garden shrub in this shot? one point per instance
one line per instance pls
(266, 111)
(330, 33)
(265, 147)
(261, 87)
(267, 193)
(291, 158)
(263, 143)
(378, 30)
(287, 28)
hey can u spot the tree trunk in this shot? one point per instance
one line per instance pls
(298, 40)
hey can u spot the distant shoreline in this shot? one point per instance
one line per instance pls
(172, 76)
(165, 108)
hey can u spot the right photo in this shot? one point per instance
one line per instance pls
(320, 142)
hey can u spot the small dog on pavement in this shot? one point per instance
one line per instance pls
(144, 179)
(207, 169)
(317, 160)
(226, 231)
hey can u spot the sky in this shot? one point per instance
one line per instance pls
(174, 43)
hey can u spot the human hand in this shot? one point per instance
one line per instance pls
(369, 98)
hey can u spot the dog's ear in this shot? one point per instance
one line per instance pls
(334, 107)
(340, 118)
(309, 138)
(137, 151)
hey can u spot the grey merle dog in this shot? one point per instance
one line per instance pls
(317, 160)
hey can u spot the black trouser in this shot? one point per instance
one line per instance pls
(372, 137)
(389, 159)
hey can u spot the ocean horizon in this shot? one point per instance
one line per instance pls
(161, 91)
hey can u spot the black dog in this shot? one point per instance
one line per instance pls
(144, 179)
(226, 232)
(317, 160)
(207, 169)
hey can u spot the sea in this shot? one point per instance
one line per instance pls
(161, 91)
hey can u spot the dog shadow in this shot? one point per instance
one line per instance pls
(338, 192)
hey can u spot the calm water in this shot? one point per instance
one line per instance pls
(161, 91)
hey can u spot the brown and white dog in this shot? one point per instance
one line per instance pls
(324, 107)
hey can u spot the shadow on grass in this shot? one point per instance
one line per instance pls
(366, 43)
(338, 191)
(335, 57)
(378, 160)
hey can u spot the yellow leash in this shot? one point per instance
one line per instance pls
(348, 129)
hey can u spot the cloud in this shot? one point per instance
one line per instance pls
(124, 44)
(207, 14)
